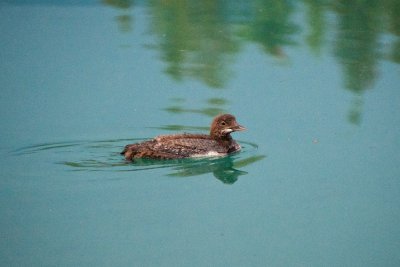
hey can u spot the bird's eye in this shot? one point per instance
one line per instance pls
(223, 123)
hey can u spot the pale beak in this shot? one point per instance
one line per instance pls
(237, 128)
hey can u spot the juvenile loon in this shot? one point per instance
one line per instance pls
(218, 143)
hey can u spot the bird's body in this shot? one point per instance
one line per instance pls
(218, 143)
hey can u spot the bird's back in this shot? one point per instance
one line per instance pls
(176, 146)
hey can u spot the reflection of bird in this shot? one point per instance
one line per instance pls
(222, 168)
(218, 143)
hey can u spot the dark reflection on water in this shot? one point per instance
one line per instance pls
(225, 169)
(104, 156)
(125, 19)
(213, 107)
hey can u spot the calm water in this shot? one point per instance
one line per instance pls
(316, 83)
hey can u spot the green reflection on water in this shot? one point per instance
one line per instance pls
(393, 11)
(194, 40)
(357, 42)
(316, 18)
(272, 26)
(199, 39)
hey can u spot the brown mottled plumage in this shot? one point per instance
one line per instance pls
(219, 142)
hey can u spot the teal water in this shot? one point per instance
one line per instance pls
(316, 84)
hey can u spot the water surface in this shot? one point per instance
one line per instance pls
(314, 82)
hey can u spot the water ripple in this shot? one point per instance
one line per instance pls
(103, 155)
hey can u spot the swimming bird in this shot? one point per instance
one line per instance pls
(176, 146)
